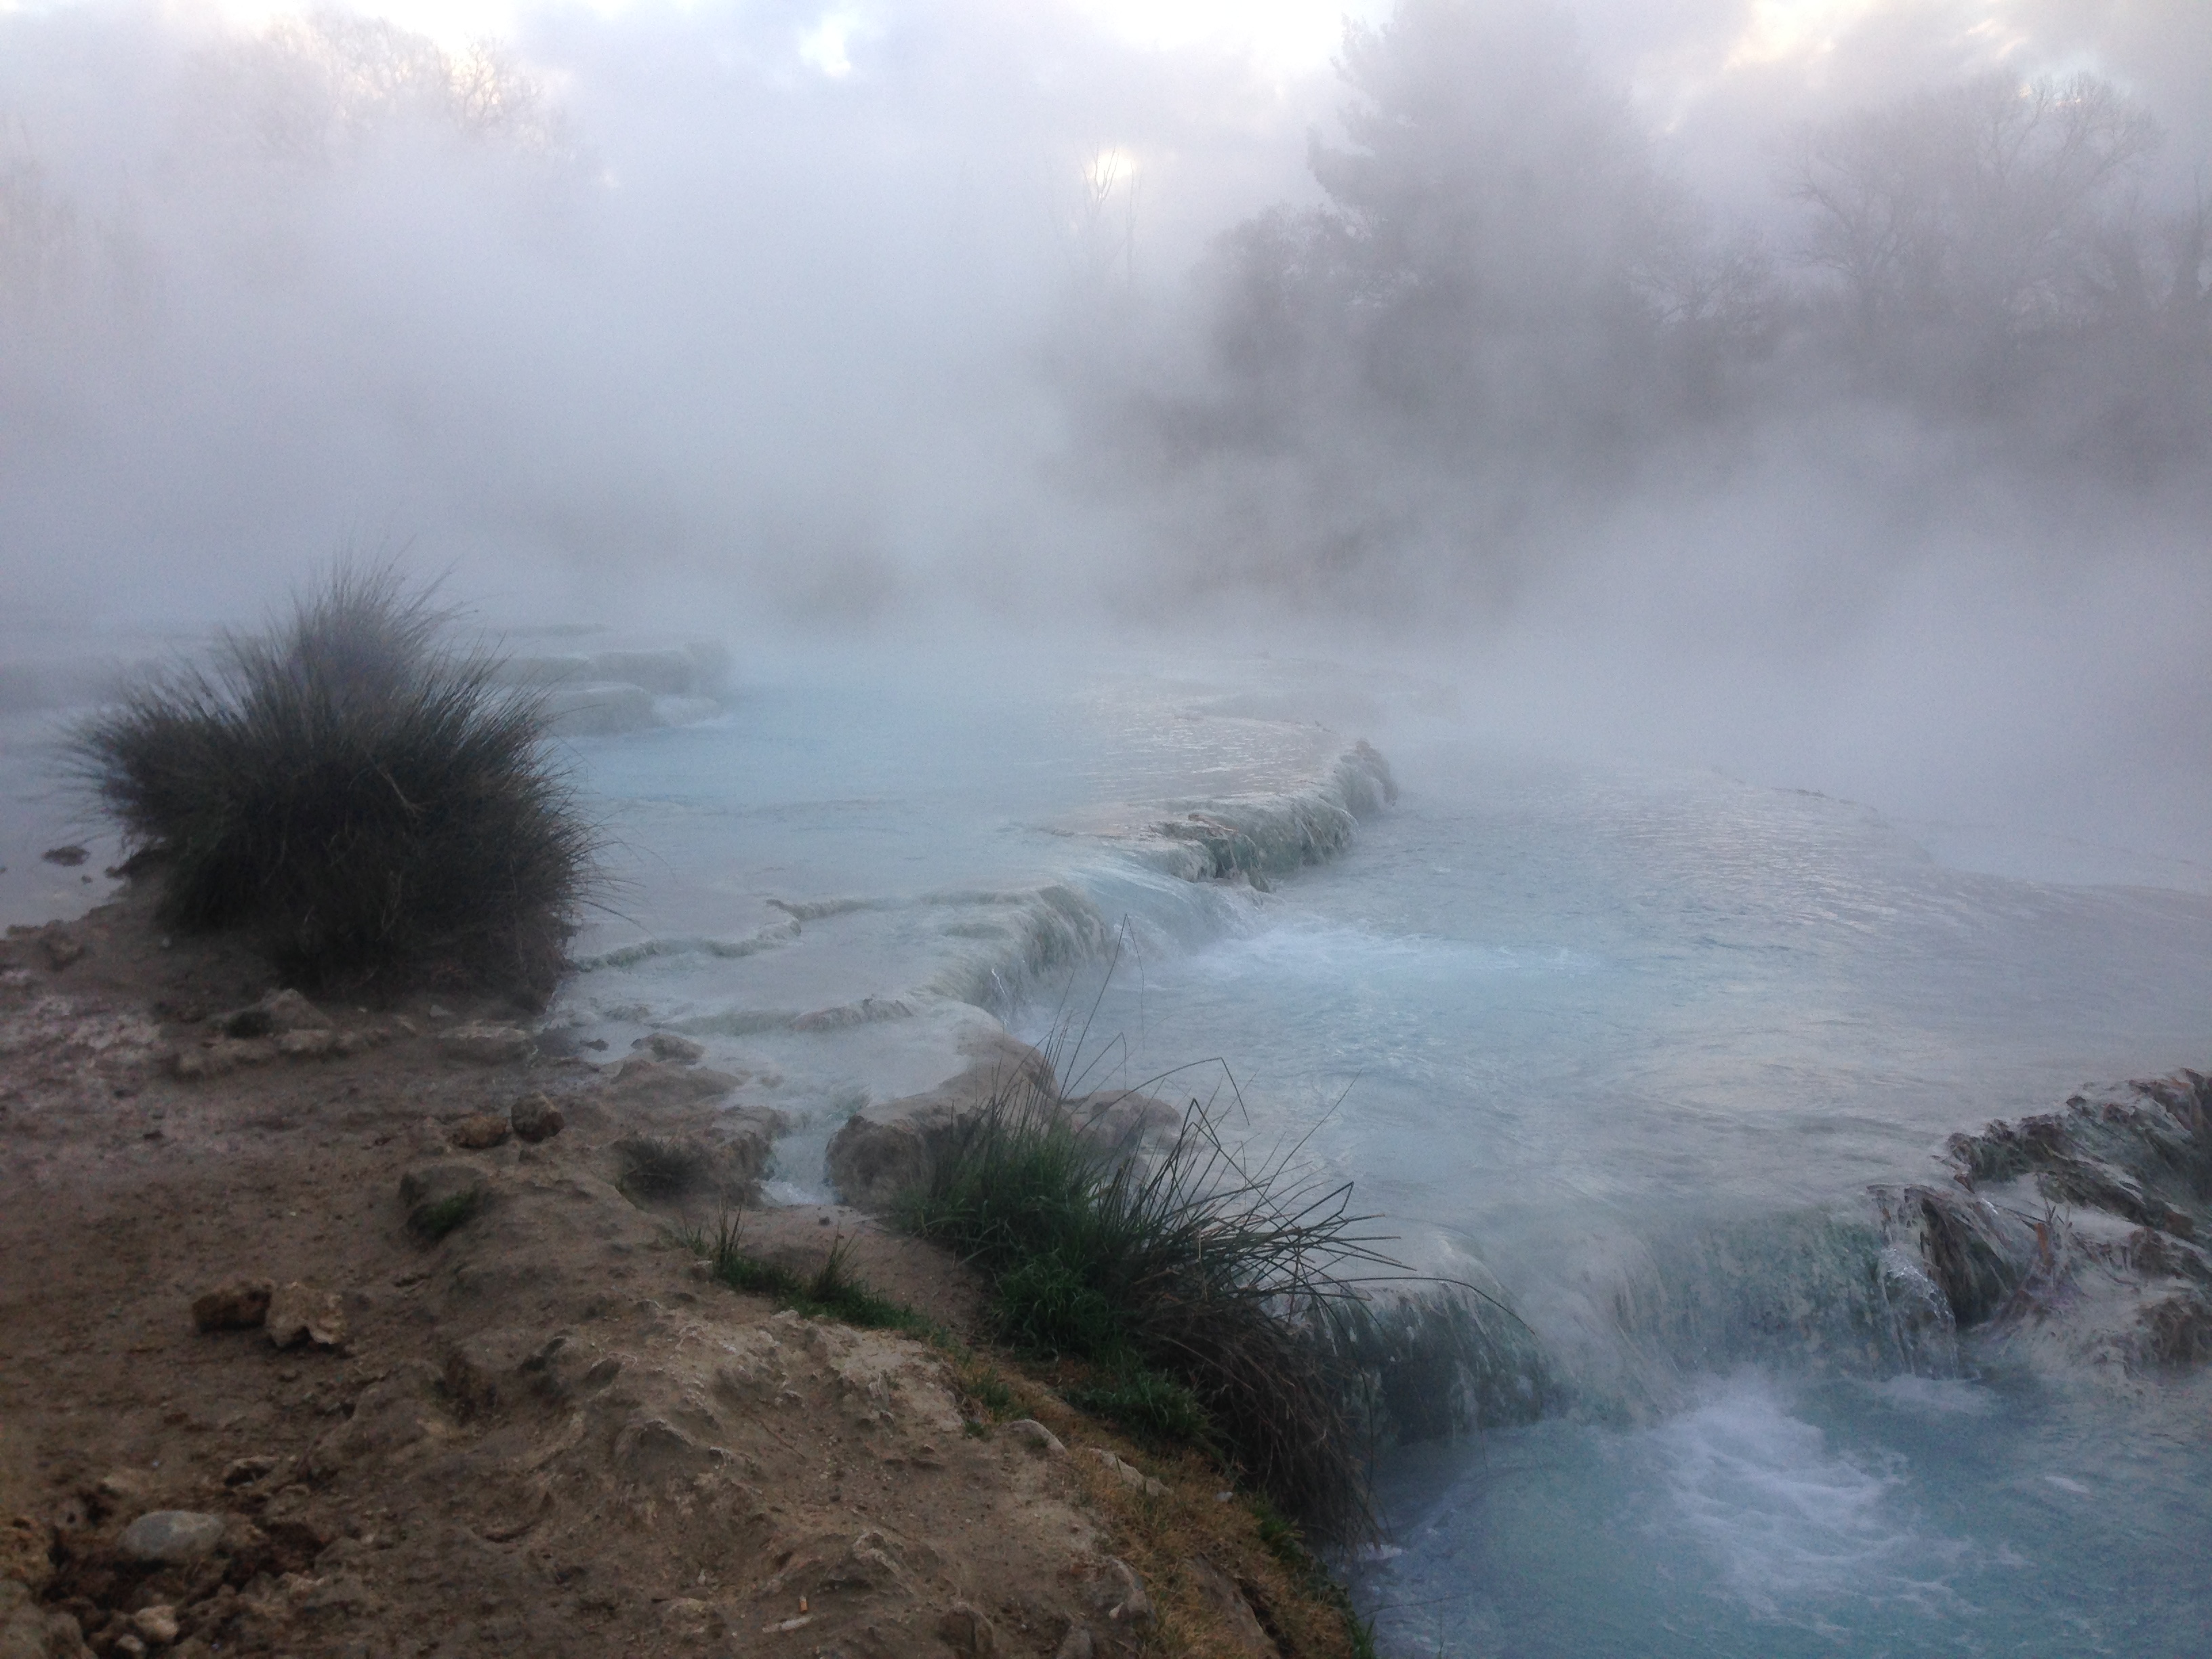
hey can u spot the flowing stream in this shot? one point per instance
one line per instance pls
(1613, 1040)
(1581, 1029)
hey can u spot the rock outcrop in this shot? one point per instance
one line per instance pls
(2079, 1227)
(602, 693)
(885, 1149)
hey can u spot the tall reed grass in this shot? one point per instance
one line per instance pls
(1215, 1304)
(355, 791)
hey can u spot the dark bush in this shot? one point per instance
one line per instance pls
(358, 794)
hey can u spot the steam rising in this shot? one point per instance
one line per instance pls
(1821, 389)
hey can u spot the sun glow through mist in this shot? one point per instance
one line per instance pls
(1109, 170)
(1777, 29)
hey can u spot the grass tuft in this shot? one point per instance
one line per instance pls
(833, 1290)
(650, 1168)
(1193, 1287)
(1155, 1407)
(1207, 1303)
(980, 1383)
(360, 795)
(435, 1219)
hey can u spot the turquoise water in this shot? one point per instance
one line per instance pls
(1606, 1038)
(1772, 1517)
(841, 885)
(1558, 1003)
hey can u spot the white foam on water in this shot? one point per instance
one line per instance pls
(1306, 949)
(1788, 1521)
(840, 890)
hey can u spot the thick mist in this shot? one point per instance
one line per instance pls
(663, 303)
(1819, 392)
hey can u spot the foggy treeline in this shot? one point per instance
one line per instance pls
(978, 304)
(207, 241)
(1506, 316)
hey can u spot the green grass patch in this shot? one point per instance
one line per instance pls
(980, 1383)
(441, 1216)
(1153, 1407)
(1046, 1306)
(833, 1290)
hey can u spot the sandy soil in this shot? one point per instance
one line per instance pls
(547, 1432)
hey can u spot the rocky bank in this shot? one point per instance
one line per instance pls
(338, 1330)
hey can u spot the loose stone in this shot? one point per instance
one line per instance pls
(171, 1537)
(241, 1305)
(965, 1631)
(479, 1132)
(1037, 1438)
(157, 1625)
(535, 1118)
(440, 1195)
(1131, 1605)
(1128, 1474)
(297, 1314)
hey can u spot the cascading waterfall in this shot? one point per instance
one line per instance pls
(1669, 1061)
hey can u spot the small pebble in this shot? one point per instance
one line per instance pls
(158, 1624)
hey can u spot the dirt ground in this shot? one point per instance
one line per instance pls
(544, 1432)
